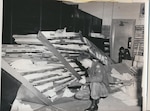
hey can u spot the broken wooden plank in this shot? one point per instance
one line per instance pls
(70, 37)
(46, 43)
(25, 36)
(44, 86)
(65, 52)
(21, 50)
(21, 46)
(68, 54)
(67, 41)
(29, 66)
(28, 55)
(57, 84)
(67, 49)
(56, 35)
(34, 59)
(38, 83)
(28, 41)
(43, 77)
(59, 88)
(41, 71)
(13, 45)
(72, 46)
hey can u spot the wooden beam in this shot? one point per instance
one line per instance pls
(43, 77)
(46, 43)
(38, 83)
(41, 70)
(57, 84)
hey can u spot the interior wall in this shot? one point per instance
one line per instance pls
(109, 10)
(120, 36)
(39, 15)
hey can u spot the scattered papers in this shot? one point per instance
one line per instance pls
(18, 106)
(22, 64)
(124, 76)
(53, 98)
(83, 80)
(127, 76)
(50, 93)
(125, 98)
(68, 93)
(131, 90)
(116, 74)
(127, 83)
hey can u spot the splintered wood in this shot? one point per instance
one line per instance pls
(49, 64)
(40, 66)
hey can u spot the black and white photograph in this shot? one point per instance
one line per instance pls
(75, 55)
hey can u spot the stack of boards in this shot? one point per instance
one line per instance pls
(40, 66)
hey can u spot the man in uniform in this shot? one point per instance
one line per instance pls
(96, 78)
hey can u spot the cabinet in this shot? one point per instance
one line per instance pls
(25, 16)
(30, 16)
(102, 43)
(88, 23)
(106, 46)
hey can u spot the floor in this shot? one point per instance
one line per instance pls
(108, 104)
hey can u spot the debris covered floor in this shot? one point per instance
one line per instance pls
(47, 69)
(108, 104)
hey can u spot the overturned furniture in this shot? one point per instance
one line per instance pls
(45, 63)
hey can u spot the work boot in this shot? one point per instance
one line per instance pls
(93, 106)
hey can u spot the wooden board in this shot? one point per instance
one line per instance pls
(46, 43)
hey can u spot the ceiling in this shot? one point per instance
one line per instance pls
(84, 1)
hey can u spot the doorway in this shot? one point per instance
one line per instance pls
(122, 34)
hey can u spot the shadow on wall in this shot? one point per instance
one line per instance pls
(10, 87)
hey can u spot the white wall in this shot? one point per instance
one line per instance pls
(109, 10)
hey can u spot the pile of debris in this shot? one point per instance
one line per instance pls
(47, 61)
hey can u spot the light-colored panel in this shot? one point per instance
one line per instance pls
(93, 8)
(30, 88)
(113, 10)
(126, 11)
(140, 21)
(107, 14)
(120, 36)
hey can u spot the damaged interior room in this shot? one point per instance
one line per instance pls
(60, 55)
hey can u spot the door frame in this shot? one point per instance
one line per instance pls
(112, 33)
